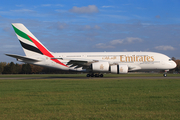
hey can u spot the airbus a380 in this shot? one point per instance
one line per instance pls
(94, 63)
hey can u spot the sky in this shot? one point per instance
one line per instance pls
(93, 25)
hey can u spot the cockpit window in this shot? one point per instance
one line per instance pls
(170, 59)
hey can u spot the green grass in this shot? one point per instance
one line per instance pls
(54, 99)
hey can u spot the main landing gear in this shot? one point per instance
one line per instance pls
(94, 75)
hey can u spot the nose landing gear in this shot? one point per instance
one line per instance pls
(165, 73)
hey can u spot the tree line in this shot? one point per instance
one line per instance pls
(177, 61)
(12, 68)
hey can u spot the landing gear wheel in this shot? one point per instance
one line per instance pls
(92, 75)
(88, 75)
(101, 75)
(96, 75)
(165, 75)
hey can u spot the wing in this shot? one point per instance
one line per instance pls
(85, 63)
(78, 63)
(22, 58)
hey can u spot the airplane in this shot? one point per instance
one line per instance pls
(93, 63)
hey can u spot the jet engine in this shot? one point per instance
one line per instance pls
(119, 69)
(100, 66)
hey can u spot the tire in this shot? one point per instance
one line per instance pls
(92, 75)
(96, 75)
(165, 75)
(88, 75)
(101, 75)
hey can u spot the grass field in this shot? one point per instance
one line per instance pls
(97, 98)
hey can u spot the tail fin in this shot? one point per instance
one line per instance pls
(31, 45)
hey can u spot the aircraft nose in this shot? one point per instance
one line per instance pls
(173, 65)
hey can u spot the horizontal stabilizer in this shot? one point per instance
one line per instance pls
(23, 58)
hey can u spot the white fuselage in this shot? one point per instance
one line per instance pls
(134, 60)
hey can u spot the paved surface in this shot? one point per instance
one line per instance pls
(18, 78)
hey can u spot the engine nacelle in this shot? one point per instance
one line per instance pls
(100, 66)
(119, 69)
